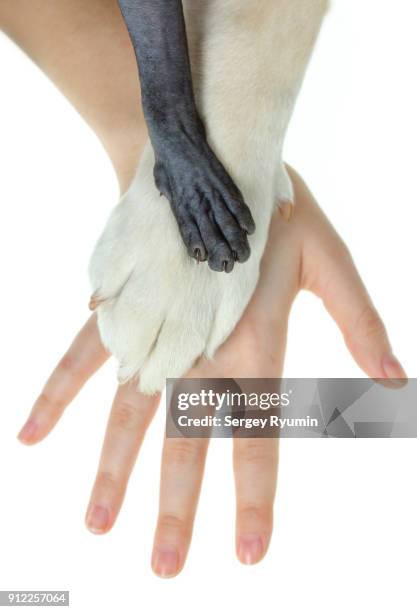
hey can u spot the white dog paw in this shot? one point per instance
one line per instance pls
(158, 310)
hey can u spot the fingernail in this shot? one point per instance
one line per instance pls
(28, 431)
(165, 561)
(394, 371)
(97, 519)
(250, 549)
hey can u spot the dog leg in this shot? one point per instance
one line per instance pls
(212, 216)
(159, 310)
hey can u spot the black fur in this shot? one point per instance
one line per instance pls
(210, 211)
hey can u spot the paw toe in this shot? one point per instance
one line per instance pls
(238, 242)
(193, 241)
(221, 259)
(175, 352)
(242, 214)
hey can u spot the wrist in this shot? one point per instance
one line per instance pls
(180, 126)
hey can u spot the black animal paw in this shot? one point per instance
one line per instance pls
(212, 216)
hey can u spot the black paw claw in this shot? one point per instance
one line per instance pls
(227, 266)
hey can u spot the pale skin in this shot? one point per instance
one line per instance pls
(305, 254)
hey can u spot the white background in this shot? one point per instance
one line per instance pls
(345, 534)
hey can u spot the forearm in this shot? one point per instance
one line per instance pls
(93, 65)
(158, 33)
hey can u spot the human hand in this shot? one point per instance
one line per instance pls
(305, 254)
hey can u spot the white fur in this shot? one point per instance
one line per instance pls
(162, 310)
